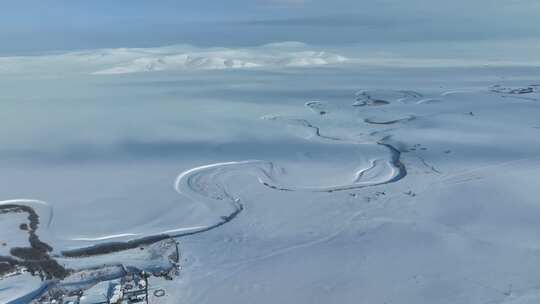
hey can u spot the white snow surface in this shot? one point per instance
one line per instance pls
(268, 57)
(346, 183)
(172, 58)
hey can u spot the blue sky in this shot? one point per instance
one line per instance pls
(36, 25)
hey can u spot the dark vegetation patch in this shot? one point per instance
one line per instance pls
(36, 258)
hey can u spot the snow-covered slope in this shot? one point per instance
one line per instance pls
(343, 183)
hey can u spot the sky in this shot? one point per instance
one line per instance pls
(36, 25)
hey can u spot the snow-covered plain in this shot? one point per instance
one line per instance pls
(288, 174)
